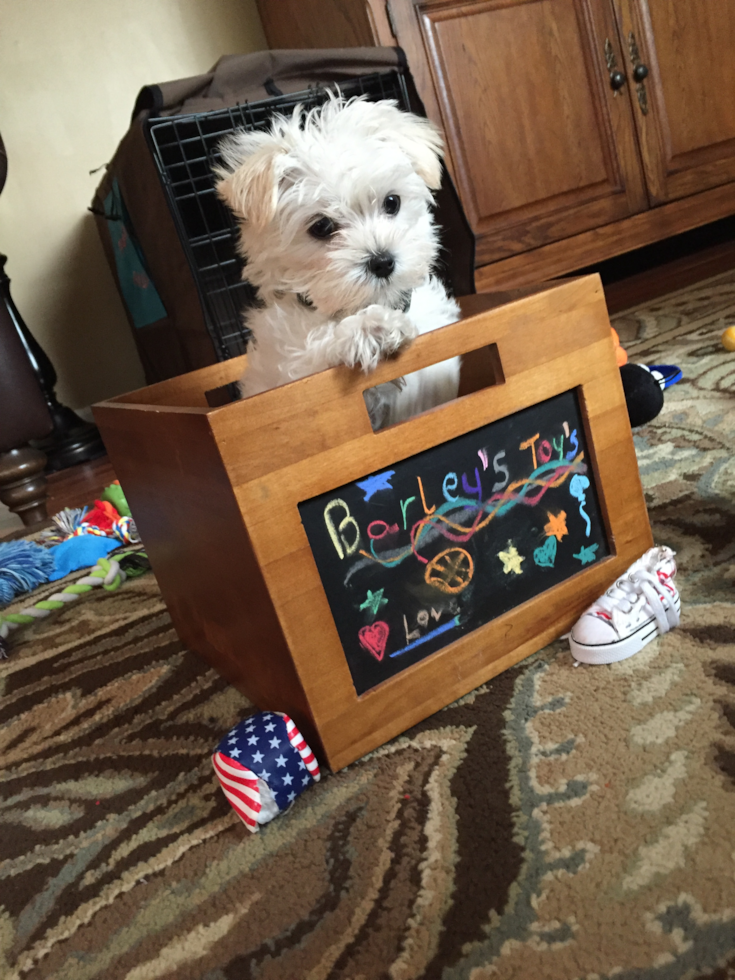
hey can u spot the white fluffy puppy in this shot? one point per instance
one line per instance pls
(335, 214)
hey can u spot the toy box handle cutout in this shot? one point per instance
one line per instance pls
(223, 395)
(481, 368)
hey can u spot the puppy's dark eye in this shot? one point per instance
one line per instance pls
(392, 204)
(324, 227)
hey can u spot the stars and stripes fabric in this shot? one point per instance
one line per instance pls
(262, 765)
(240, 786)
(299, 743)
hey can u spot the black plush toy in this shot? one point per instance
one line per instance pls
(643, 394)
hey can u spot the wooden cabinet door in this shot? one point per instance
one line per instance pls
(685, 107)
(540, 145)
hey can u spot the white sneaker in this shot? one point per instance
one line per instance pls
(643, 604)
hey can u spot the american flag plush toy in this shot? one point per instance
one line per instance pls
(262, 765)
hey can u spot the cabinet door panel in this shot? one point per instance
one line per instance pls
(685, 112)
(540, 146)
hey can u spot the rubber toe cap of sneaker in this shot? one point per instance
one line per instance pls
(593, 631)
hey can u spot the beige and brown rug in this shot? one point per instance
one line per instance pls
(557, 824)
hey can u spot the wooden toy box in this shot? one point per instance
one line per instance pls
(361, 580)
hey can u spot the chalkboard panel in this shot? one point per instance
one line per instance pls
(439, 544)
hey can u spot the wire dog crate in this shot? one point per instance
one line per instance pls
(185, 149)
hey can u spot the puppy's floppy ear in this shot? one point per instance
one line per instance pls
(422, 142)
(250, 187)
(419, 139)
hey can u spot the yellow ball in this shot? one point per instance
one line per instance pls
(728, 339)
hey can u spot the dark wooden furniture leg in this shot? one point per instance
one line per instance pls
(23, 485)
(71, 440)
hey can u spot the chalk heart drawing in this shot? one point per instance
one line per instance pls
(373, 638)
(546, 554)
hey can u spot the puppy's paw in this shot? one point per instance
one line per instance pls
(375, 332)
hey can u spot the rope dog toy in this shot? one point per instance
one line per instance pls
(110, 573)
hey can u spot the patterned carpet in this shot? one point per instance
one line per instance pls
(557, 823)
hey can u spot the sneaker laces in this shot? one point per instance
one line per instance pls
(640, 586)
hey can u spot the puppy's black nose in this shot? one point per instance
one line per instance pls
(381, 264)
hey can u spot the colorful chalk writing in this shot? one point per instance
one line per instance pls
(413, 557)
(575, 444)
(404, 507)
(427, 510)
(544, 450)
(410, 634)
(500, 468)
(378, 529)
(531, 444)
(342, 544)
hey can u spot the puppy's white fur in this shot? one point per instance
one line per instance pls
(320, 303)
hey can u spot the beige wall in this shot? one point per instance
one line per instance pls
(69, 74)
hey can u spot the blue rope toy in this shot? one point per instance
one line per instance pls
(23, 567)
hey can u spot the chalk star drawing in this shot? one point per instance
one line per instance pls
(557, 525)
(511, 559)
(381, 481)
(374, 601)
(587, 554)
